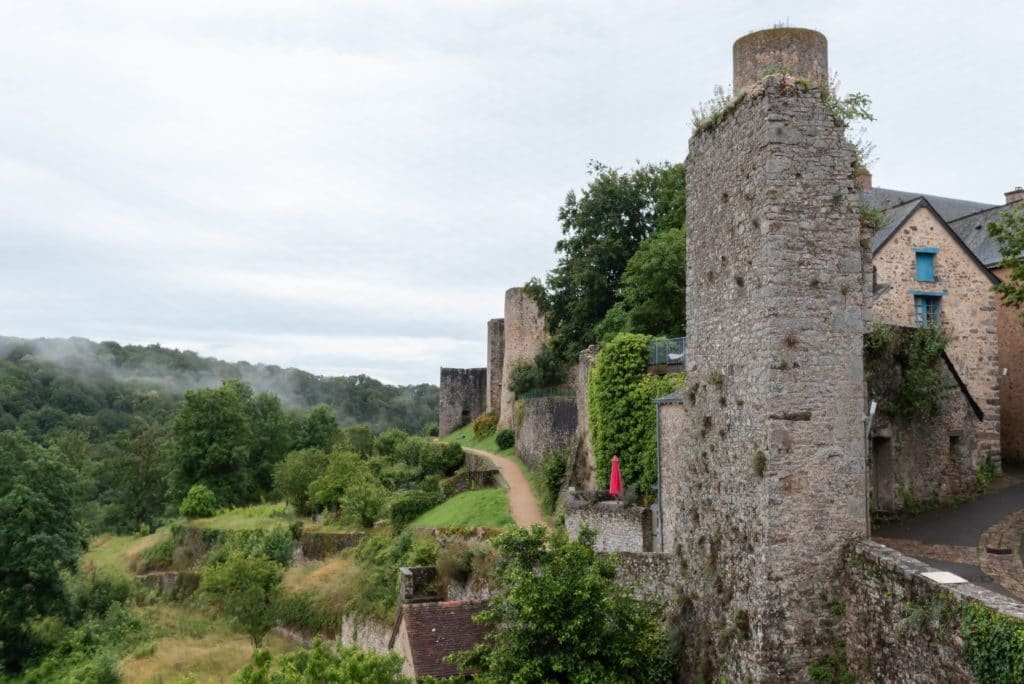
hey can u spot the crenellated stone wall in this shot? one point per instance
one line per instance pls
(462, 397)
(525, 335)
(495, 362)
(769, 455)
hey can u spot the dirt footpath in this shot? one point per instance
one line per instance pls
(522, 505)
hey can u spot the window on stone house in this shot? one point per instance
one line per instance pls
(925, 263)
(927, 310)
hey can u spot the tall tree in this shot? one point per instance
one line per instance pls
(1009, 233)
(40, 538)
(654, 285)
(602, 228)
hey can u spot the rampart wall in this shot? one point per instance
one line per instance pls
(495, 362)
(548, 424)
(525, 335)
(462, 397)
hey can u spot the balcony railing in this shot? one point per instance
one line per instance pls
(666, 352)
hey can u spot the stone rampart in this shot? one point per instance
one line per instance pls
(582, 472)
(462, 397)
(525, 335)
(618, 527)
(548, 424)
(900, 626)
(654, 577)
(495, 362)
(769, 475)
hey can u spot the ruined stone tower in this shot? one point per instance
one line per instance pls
(764, 466)
(525, 335)
(462, 397)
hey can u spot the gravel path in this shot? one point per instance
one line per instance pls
(522, 505)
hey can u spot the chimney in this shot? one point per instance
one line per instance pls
(862, 180)
(797, 52)
(1015, 195)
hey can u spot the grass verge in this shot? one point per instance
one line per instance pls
(464, 437)
(476, 508)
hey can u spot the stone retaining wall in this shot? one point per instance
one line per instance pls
(618, 527)
(548, 424)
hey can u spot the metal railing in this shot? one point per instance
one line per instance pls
(666, 352)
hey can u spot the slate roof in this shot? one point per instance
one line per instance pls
(948, 208)
(972, 230)
(438, 629)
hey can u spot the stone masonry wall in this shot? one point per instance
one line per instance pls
(672, 445)
(968, 312)
(582, 473)
(889, 618)
(548, 424)
(495, 362)
(1011, 386)
(653, 577)
(771, 472)
(462, 397)
(618, 527)
(928, 458)
(525, 334)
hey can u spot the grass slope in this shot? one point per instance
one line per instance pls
(477, 508)
(464, 437)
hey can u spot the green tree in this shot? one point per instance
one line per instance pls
(654, 285)
(200, 502)
(602, 228)
(323, 663)
(40, 538)
(1008, 231)
(348, 486)
(320, 428)
(560, 616)
(295, 473)
(272, 437)
(246, 588)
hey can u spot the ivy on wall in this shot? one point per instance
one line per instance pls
(993, 644)
(623, 419)
(904, 369)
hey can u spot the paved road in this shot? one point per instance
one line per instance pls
(522, 504)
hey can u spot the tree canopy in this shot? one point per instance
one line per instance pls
(1009, 233)
(560, 616)
(603, 227)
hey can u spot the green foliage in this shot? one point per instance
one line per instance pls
(276, 543)
(553, 477)
(361, 439)
(1008, 231)
(831, 669)
(984, 475)
(872, 218)
(294, 474)
(654, 285)
(387, 442)
(323, 663)
(485, 424)
(622, 415)
(246, 589)
(200, 502)
(379, 556)
(559, 615)
(40, 539)
(475, 508)
(993, 644)
(917, 386)
(459, 560)
(846, 110)
(409, 505)
(319, 430)
(505, 439)
(603, 226)
(707, 115)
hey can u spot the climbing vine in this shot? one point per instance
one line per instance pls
(916, 387)
(622, 415)
(993, 644)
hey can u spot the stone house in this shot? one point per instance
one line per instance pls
(934, 263)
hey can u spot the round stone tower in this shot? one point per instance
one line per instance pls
(797, 52)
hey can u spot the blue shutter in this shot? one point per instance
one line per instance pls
(925, 267)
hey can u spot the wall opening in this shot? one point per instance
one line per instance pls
(883, 496)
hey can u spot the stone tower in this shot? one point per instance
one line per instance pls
(495, 362)
(525, 335)
(462, 397)
(764, 476)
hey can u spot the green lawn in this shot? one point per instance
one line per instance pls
(477, 508)
(464, 436)
(258, 516)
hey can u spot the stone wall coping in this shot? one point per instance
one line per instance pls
(911, 568)
(577, 503)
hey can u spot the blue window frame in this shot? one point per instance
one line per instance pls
(925, 263)
(927, 310)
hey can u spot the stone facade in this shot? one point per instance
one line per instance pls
(769, 457)
(548, 424)
(525, 335)
(654, 577)
(968, 309)
(919, 459)
(495, 362)
(1011, 386)
(671, 417)
(890, 620)
(618, 527)
(463, 397)
(582, 467)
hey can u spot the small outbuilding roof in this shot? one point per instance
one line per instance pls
(438, 629)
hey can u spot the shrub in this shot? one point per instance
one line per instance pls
(506, 439)
(388, 441)
(524, 377)
(200, 502)
(246, 588)
(455, 562)
(409, 505)
(442, 458)
(485, 425)
(553, 477)
(95, 592)
(294, 474)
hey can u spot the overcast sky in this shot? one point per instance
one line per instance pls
(350, 187)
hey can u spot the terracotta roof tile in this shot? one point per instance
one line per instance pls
(438, 629)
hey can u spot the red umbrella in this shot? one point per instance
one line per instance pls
(615, 480)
